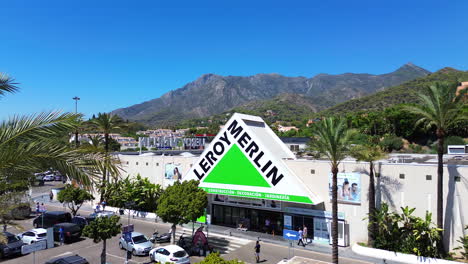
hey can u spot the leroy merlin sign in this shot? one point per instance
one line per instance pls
(246, 159)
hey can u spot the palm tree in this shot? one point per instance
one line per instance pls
(29, 142)
(7, 84)
(440, 107)
(370, 153)
(332, 139)
(106, 123)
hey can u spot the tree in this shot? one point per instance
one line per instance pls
(106, 123)
(181, 203)
(440, 107)
(332, 139)
(369, 153)
(101, 229)
(215, 258)
(140, 190)
(27, 143)
(74, 197)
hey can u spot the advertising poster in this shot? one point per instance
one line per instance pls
(349, 187)
(173, 172)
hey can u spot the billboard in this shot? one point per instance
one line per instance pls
(173, 172)
(349, 187)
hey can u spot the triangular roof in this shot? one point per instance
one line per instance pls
(246, 159)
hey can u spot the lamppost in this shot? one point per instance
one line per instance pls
(76, 98)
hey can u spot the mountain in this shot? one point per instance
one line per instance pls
(403, 93)
(213, 94)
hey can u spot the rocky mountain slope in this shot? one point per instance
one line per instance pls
(213, 94)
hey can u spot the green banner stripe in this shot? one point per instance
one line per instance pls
(260, 195)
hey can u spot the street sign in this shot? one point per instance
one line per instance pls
(290, 234)
(127, 236)
(40, 245)
(127, 229)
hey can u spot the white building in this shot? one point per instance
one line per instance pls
(294, 192)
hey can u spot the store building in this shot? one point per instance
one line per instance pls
(256, 183)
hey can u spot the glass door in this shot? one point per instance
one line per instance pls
(321, 233)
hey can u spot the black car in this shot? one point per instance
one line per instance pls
(68, 260)
(72, 232)
(12, 247)
(49, 219)
(81, 221)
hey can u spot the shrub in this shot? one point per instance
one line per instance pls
(407, 233)
(391, 142)
(464, 246)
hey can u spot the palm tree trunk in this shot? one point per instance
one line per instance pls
(104, 172)
(334, 225)
(440, 187)
(103, 253)
(76, 139)
(372, 223)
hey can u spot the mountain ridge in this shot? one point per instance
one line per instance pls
(213, 94)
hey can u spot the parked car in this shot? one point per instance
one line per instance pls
(68, 260)
(49, 219)
(12, 247)
(72, 232)
(80, 221)
(33, 235)
(49, 177)
(169, 254)
(57, 177)
(139, 244)
(93, 216)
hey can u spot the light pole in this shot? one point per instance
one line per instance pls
(76, 98)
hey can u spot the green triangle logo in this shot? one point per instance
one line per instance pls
(235, 168)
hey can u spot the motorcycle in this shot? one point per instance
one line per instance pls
(163, 238)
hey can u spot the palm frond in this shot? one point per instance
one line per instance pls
(7, 84)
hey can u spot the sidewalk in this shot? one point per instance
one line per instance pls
(250, 235)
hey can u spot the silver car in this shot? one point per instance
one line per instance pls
(139, 244)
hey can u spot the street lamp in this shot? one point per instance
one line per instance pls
(76, 98)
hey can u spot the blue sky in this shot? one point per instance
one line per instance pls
(115, 54)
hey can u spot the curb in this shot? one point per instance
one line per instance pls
(396, 256)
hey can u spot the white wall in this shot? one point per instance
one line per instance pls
(413, 191)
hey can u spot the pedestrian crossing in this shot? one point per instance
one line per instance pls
(221, 243)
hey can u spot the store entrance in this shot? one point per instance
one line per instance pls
(248, 218)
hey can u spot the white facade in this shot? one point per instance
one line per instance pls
(399, 184)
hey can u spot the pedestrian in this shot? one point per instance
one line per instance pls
(42, 208)
(305, 235)
(51, 195)
(61, 235)
(104, 205)
(257, 251)
(301, 238)
(98, 208)
(38, 208)
(267, 225)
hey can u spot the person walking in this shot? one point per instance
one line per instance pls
(257, 251)
(38, 208)
(301, 238)
(305, 234)
(51, 195)
(42, 208)
(61, 235)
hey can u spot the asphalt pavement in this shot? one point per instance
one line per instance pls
(232, 244)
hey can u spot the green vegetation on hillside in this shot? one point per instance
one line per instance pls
(404, 93)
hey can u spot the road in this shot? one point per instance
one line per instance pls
(230, 247)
